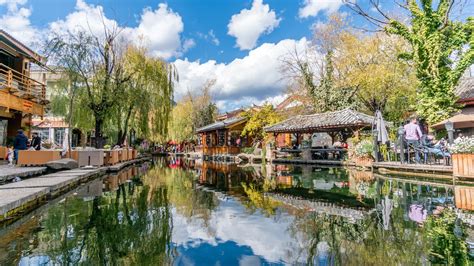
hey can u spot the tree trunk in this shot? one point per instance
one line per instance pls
(122, 134)
(99, 139)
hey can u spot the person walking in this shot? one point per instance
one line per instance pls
(20, 143)
(36, 142)
(413, 135)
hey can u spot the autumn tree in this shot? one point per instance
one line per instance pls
(313, 72)
(193, 111)
(257, 120)
(441, 49)
(382, 81)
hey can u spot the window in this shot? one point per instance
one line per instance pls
(59, 135)
(221, 138)
(43, 133)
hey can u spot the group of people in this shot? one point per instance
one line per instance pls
(21, 142)
(423, 143)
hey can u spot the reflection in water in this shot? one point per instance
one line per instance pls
(186, 212)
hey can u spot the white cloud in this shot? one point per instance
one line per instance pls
(188, 44)
(268, 237)
(210, 37)
(85, 18)
(249, 24)
(311, 8)
(16, 21)
(251, 79)
(159, 30)
(214, 38)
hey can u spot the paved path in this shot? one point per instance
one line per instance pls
(8, 172)
(24, 195)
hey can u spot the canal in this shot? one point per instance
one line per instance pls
(183, 212)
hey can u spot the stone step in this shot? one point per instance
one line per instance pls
(13, 201)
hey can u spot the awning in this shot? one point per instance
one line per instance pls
(459, 121)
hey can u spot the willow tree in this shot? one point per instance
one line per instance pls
(145, 99)
(441, 49)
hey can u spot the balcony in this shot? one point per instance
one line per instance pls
(21, 86)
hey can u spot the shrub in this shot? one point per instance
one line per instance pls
(248, 150)
(365, 148)
(462, 145)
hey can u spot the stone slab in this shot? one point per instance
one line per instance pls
(14, 198)
(52, 183)
(8, 172)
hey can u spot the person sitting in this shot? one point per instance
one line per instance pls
(437, 149)
(36, 142)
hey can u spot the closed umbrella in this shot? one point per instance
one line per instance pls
(381, 127)
(65, 146)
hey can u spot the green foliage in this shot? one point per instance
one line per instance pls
(447, 248)
(365, 148)
(442, 50)
(192, 112)
(258, 120)
(248, 150)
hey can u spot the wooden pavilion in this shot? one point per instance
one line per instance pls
(344, 123)
(223, 137)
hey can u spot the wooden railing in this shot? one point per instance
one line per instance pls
(20, 85)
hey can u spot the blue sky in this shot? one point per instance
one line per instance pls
(237, 43)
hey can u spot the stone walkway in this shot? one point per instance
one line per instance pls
(8, 172)
(24, 195)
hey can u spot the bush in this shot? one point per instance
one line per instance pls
(462, 145)
(248, 150)
(365, 148)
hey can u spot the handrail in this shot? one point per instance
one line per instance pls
(13, 79)
(17, 72)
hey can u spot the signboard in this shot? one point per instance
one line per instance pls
(27, 106)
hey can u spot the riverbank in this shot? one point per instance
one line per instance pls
(18, 198)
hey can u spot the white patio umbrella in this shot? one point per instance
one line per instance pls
(65, 146)
(381, 127)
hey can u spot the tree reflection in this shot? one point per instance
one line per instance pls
(119, 228)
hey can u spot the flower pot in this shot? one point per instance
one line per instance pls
(463, 165)
(363, 161)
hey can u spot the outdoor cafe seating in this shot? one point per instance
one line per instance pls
(343, 124)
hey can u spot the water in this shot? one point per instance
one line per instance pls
(184, 213)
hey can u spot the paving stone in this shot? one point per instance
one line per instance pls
(13, 198)
(9, 172)
(53, 183)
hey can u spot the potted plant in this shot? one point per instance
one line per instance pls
(364, 153)
(462, 153)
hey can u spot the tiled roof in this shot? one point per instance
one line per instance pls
(346, 118)
(221, 124)
(465, 89)
(49, 122)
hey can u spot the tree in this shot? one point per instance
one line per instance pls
(258, 120)
(191, 112)
(314, 73)
(146, 96)
(370, 63)
(121, 85)
(441, 49)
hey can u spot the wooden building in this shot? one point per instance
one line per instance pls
(463, 121)
(341, 124)
(21, 97)
(223, 137)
